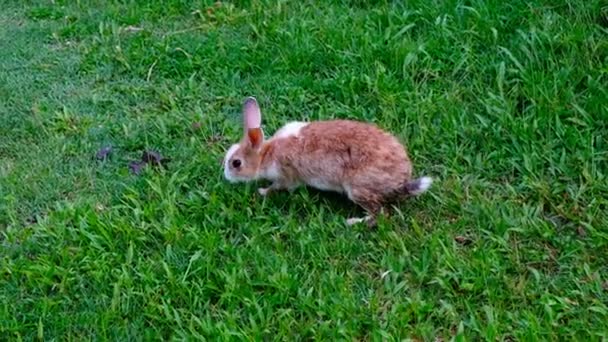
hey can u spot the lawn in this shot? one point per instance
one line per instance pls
(504, 103)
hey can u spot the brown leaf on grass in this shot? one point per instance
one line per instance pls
(463, 240)
(103, 153)
(154, 158)
(136, 167)
(151, 157)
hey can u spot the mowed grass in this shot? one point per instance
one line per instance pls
(504, 103)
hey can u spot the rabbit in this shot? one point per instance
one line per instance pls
(370, 166)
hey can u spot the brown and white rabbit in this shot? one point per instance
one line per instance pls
(358, 159)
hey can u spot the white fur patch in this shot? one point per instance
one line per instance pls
(355, 220)
(322, 184)
(425, 184)
(290, 129)
(273, 172)
(227, 174)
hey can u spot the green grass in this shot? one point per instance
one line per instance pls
(504, 102)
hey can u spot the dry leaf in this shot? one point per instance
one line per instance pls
(136, 167)
(103, 153)
(154, 158)
(463, 240)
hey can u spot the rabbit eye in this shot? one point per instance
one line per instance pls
(236, 163)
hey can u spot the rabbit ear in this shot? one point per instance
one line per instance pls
(251, 114)
(256, 137)
(252, 120)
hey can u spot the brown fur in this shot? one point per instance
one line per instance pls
(363, 160)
